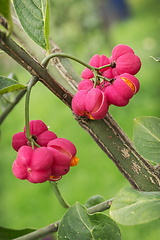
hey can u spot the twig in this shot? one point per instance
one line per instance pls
(54, 226)
(12, 105)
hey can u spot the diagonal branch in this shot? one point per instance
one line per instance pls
(34, 68)
(115, 143)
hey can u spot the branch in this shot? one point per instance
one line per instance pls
(54, 226)
(34, 68)
(65, 68)
(58, 65)
(114, 142)
(11, 105)
(100, 207)
(40, 232)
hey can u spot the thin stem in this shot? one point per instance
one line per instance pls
(96, 80)
(12, 105)
(29, 87)
(108, 65)
(59, 196)
(104, 78)
(45, 61)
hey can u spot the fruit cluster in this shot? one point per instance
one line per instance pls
(50, 161)
(114, 84)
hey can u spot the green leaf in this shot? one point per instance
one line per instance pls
(9, 85)
(6, 98)
(6, 233)
(34, 18)
(46, 26)
(146, 137)
(5, 11)
(132, 207)
(157, 59)
(78, 224)
(94, 200)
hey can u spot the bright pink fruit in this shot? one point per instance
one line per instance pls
(122, 89)
(120, 50)
(63, 151)
(92, 104)
(38, 130)
(127, 63)
(102, 62)
(78, 102)
(96, 103)
(123, 60)
(45, 137)
(64, 145)
(33, 165)
(95, 61)
(85, 84)
(36, 127)
(19, 139)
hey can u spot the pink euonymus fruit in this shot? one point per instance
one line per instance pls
(114, 84)
(92, 103)
(85, 84)
(64, 156)
(49, 162)
(39, 132)
(33, 165)
(96, 103)
(95, 61)
(78, 103)
(122, 89)
(123, 60)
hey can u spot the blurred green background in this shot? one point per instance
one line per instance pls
(82, 28)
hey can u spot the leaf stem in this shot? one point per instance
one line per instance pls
(104, 78)
(59, 195)
(45, 61)
(108, 65)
